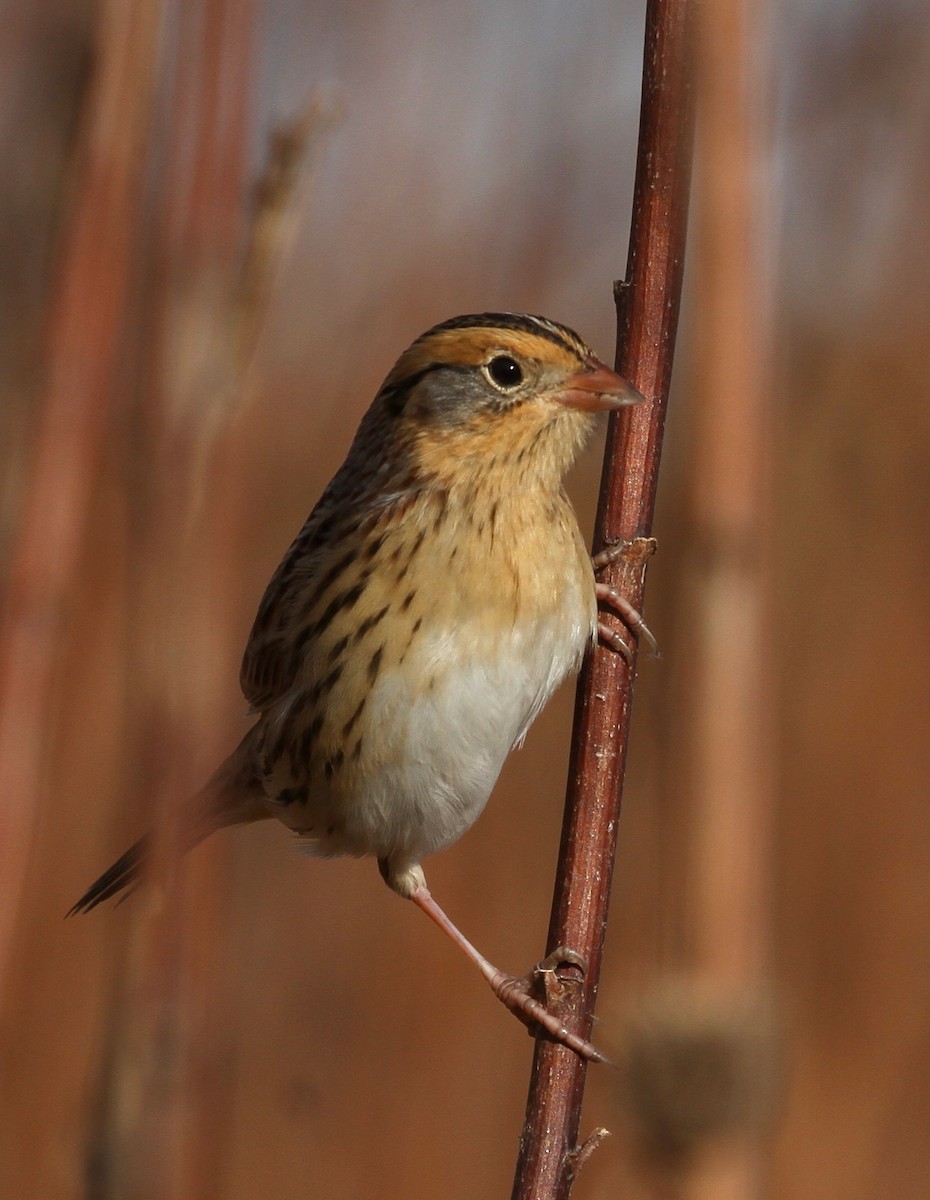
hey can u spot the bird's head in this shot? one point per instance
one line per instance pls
(489, 389)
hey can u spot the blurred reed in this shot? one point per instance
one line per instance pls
(301, 1032)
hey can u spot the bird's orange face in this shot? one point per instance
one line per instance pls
(496, 387)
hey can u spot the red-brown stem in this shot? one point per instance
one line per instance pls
(647, 318)
(168, 1100)
(94, 279)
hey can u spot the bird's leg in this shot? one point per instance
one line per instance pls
(639, 549)
(511, 991)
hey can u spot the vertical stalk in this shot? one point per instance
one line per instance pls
(95, 275)
(165, 1127)
(726, 701)
(647, 318)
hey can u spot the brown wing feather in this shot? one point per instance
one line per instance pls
(269, 665)
(357, 495)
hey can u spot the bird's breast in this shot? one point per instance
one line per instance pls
(433, 668)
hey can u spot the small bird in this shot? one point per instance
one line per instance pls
(437, 595)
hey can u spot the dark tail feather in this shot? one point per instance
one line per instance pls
(233, 796)
(126, 870)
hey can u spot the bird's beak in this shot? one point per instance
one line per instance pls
(598, 389)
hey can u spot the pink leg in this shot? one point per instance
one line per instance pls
(512, 992)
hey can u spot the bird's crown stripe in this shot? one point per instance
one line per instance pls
(561, 335)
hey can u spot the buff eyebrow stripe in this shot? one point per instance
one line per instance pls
(564, 338)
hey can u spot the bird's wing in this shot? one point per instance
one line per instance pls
(369, 483)
(282, 641)
(273, 656)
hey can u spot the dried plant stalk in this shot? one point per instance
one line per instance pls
(95, 272)
(164, 1117)
(647, 306)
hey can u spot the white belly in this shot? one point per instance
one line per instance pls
(456, 735)
(438, 729)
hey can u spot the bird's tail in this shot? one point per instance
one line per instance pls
(232, 796)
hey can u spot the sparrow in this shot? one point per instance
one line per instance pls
(435, 598)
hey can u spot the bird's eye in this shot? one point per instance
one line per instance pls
(505, 372)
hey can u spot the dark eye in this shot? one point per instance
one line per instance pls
(505, 372)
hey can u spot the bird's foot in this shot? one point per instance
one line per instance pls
(633, 554)
(563, 969)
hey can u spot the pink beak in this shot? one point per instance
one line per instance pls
(598, 390)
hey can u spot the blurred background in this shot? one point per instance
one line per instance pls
(220, 223)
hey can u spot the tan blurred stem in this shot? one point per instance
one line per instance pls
(728, 695)
(94, 275)
(727, 706)
(168, 1122)
(647, 305)
(163, 1118)
(702, 1051)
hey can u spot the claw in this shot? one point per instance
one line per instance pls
(630, 616)
(512, 991)
(613, 639)
(516, 994)
(636, 551)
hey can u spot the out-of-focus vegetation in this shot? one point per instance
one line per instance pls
(280, 1027)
